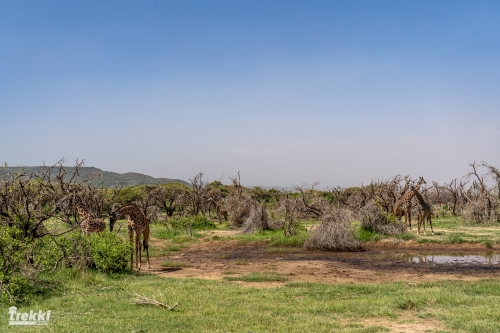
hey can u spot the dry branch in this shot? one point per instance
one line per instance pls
(143, 300)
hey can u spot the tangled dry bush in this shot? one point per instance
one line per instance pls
(482, 197)
(372, 218)
(257, 220)
(246, 213)
(335, 233)
(481, 210)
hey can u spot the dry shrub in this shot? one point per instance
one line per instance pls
(372, 218)
(335, 233)
(286, 216)
(239, 206)
(481, 211)
(257, 220)
(246, 213)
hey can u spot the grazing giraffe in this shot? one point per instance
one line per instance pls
(89, 221)
(403, 205)
(424, 212)
(137, 223)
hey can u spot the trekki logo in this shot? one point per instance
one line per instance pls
(31, 318)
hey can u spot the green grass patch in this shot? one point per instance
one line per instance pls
(408, 236)
(290, 241)
(173, 248)
(89, 302)
(241, 262)
(366, 235)
(456, 238)
(257, 277)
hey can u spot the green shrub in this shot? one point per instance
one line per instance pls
(366, 235)
(198, 222)
(110, 253)
(20, 266)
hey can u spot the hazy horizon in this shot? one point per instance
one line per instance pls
(285, 92)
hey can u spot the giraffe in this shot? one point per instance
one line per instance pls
(89, 221)
(137, 223)
(424, 212)
(403, 205)
(221, 212)
(397, 205)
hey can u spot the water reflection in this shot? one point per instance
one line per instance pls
(472, 259)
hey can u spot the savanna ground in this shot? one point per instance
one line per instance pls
(227, 282)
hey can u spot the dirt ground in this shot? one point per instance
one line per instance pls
(380, 262)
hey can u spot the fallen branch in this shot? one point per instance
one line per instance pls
(143, 300)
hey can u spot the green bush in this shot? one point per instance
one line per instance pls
(19, 266)
(110, 253)
(198, 222)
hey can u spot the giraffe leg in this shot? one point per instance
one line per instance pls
(146, 244)
(131, 238)
(138, 251)
(409, 217)
(430, 222)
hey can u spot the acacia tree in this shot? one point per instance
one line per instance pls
(170, 197)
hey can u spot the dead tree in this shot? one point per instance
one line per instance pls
(197, 196)
(495, 175)
(481, 201)
(454, 190)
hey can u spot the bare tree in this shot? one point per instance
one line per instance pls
(197, 196)
(454, 190)
(481, 200)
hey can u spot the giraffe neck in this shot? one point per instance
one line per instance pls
(420, 199)
(129, 209)
(133, 211)
(80, 208)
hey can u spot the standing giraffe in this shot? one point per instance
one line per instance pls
(137, 223)
(89, 220)
(403, 205)
(397, 205)
(424, 212)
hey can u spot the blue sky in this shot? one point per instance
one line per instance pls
(285, 92)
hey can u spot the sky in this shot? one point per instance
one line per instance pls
(284, 92)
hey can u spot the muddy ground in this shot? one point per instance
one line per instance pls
(380, 262)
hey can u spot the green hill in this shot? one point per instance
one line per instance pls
(108, 178)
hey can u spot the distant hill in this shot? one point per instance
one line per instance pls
(108, 178)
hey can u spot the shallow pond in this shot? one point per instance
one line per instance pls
(490, 258)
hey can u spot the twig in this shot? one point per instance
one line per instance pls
(143, 300)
